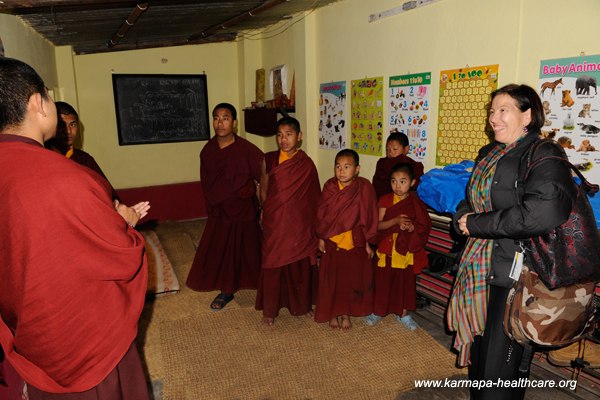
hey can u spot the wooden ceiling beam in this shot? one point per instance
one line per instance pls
(136, 13)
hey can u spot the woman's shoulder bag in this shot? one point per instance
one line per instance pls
(552, 303)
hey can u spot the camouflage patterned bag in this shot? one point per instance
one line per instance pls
(540, 316)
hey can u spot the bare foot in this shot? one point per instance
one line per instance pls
(334, 323)
(310, 314)
(346, 324)
(268, 321)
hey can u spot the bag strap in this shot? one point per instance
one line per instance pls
(526, 165)
(589, 187)
(526, 359)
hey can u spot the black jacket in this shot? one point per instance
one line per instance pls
(549, 196)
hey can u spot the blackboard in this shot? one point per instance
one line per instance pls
(156, 108)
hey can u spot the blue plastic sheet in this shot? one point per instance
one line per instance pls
(443, 188)
(595, 202)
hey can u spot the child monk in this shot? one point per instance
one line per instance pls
(290, 192)
(404, 226)
(346, 222)
(228, 256)
(396, 150)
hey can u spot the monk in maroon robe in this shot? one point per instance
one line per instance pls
(290, 194)
(396, 150)
(73, 270)
(67, 131)
(404, 230)
(228, 256)
(346, 222)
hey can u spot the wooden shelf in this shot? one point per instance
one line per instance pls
(261, 121)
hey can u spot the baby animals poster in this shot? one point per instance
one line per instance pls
(332, 123)
(568, 89)
(464, 95)
(409, 110)
(367, 115)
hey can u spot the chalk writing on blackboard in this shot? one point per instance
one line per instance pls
(161, 108)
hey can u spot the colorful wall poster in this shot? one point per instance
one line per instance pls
(464, 95)
(568, 89)
(332, 122)
(367, 115)
(409, 110)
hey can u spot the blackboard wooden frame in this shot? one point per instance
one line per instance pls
(161, 108)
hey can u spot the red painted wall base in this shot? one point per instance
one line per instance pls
(172, 202)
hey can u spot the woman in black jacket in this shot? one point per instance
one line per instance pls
(495, 219)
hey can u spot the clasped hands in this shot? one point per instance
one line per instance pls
(132, 214)
(404, 223)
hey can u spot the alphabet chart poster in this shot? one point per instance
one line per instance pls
(367, 115)
(332, 122)
(568, 89)
(464, 95)
(409, 110)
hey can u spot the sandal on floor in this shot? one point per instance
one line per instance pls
(371, 319)
(408, 322)
(220, 301)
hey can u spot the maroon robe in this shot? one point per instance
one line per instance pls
(83, 158)
(381, 179)
(74, 274)
(396, 288)
(228, 256)
(289, 241)
(346, 276)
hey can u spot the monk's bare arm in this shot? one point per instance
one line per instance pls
(264, 183)
(383, 225)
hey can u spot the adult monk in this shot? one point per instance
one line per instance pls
(73, 270)
(396, 150)
(290, 192)
(346, 222)
(228, 256)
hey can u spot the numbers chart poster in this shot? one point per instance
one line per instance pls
(464, 95)
(409, 110)
(332, 123)
(568, 89)
(367, 115)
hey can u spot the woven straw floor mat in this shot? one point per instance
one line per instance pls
(199, 354)
(231, 355)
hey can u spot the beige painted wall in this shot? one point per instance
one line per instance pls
(333, 43)
(516, 34)
(153, 164)
(25, 44)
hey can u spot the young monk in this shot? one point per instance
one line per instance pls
(396, 150)
(290, 192)
(346, 221)
(228, 256)
(404, 226)
(63, 143)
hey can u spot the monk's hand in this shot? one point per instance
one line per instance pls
(128, 213)
(370, 252)
(141, 208)
(322, 246)
(403, 221)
